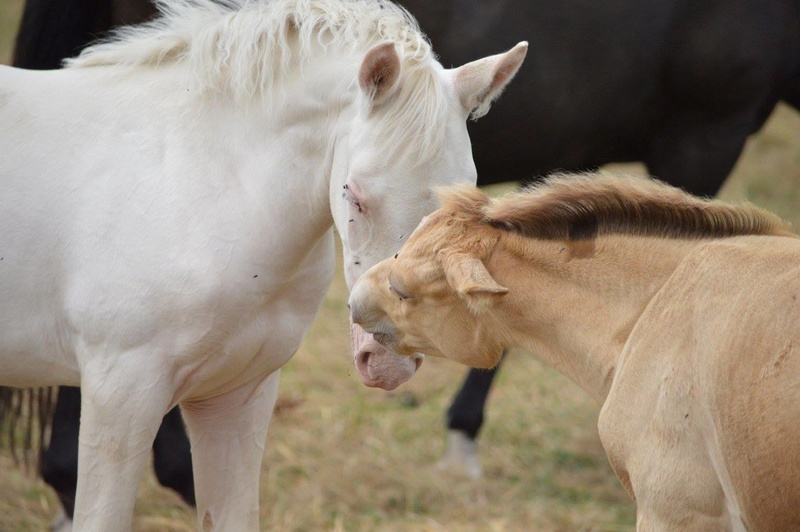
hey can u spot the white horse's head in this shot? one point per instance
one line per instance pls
(407, 136)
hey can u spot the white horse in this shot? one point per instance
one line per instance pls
(167, 208)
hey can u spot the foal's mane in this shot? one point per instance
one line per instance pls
(242, 47)
(581, 207)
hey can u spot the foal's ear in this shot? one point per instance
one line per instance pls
(379, 73)
(469, 277)
(480, 82)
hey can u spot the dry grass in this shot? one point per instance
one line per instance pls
(343, 457)
(10, 13)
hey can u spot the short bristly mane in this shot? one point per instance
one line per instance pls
(242, 48)
(580, 207)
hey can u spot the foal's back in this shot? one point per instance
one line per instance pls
(709, 391)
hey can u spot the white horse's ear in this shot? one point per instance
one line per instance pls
(468, 276)
(480, 82)
(380, 72)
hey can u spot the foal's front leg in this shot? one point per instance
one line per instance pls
(228, 435)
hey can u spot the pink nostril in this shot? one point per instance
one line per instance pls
(418, 361)
(362, 358)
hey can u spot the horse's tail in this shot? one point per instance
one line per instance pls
(26, 415)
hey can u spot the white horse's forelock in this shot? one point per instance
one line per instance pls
(241, 48)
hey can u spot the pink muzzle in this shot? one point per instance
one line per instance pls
(377, 366)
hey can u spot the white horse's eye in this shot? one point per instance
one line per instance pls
(353, 194)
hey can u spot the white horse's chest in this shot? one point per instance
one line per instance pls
(231, 303)
(266, 328)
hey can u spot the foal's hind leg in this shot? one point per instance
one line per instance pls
(228, 434)
(121, 408)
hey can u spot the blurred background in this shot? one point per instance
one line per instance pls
(340, 456)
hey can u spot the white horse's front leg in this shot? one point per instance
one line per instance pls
(121, 410)
(228, 435)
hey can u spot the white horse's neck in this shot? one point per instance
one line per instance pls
(282, 150)
(308, 119)
(588, 298)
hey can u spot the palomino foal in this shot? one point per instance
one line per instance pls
(679, 315)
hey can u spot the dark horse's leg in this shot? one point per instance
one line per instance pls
(464, 420)
(172, 456)
(59, 465)
(466, 411)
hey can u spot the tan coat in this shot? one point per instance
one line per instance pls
(680, 316)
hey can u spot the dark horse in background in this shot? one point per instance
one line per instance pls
(676, 85)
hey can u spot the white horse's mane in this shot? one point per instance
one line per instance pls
(241, 47)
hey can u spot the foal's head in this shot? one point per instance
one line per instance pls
(436, 296)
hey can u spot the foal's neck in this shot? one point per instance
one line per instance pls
(576, 303)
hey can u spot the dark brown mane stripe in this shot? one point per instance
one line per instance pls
(581, 207)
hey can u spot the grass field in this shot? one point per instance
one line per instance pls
(340, 456)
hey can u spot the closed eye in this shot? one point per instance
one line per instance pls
(400, 293)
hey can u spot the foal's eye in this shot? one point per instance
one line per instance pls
(400, 294)
(396, 286)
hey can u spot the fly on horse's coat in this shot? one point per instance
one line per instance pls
(679, 315)
(175, 240)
